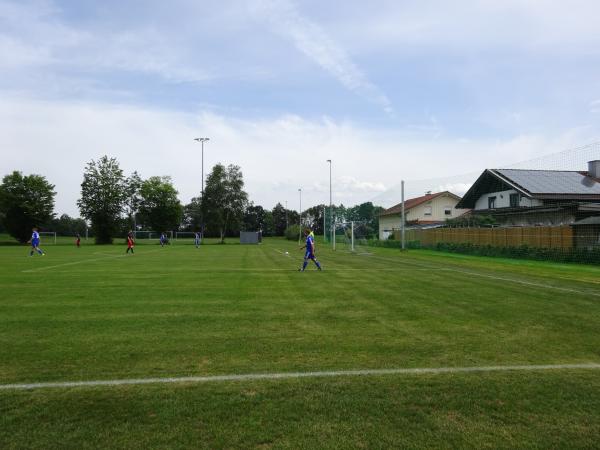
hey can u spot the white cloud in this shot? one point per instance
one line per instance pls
(277, 155)
(312, 40)
(541, 25)
(34, 35)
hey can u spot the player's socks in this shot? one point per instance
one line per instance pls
(318, 265)
(304, 265)
(31, 253)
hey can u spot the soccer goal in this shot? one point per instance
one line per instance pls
(147, 235)
(351, 236)
(50, 237)
(185, 237)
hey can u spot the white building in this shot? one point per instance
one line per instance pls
(430, 209)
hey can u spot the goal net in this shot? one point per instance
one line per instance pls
(351, 236)
(47, 237)
(185, 237)
(147, 235)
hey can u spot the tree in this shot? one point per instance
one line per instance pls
(192, 215)
(160, 209)
(25, 202)
(133, 198)
(268, 224)
(279, 220)
(68, 226)
(313, 217)
(367, 215)
(103, 195)
(224, 198)
(254, 218)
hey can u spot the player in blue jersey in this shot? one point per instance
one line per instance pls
(35, 243)
(197, 239)
(310, 250)
(163, 239)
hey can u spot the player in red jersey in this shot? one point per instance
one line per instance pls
(130, 242)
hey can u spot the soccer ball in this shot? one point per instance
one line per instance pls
(287, 253)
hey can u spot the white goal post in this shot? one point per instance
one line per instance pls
(150, 235)
(50, 234)
(185, 235)
(350, 234)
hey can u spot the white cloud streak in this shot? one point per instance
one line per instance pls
(310, 39)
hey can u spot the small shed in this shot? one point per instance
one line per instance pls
(250, 237)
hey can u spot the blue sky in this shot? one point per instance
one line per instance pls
(389, 90)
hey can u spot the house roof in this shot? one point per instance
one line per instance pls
(540, 184)
(552, 181)
(594, 220)
(412, 202)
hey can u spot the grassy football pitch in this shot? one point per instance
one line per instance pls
(96, 314)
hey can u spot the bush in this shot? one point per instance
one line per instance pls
(390, 243)
(292, 232)
(523, 252)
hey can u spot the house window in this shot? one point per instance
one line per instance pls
(428, 210)
(491, 202)
(447, 210)
(514, 200)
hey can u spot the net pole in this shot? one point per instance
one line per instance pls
(403, 217)
(352, 234)
(300, 231)
(324, 226)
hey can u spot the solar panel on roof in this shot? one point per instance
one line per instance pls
(551, 181)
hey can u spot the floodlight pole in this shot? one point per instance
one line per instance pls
(202, 140)
(332, 231)
(286, 216)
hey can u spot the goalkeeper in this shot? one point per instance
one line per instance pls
(310, 250)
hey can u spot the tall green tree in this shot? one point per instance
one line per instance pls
(103, 196)
(192, 214)
(254, 218)
(25, 202)
(313, 217)
(133, 198)
(279, 219)
(160, 209)
(224, 199)
(68, 226)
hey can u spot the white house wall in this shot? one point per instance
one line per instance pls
(503, 200)
(438, 205)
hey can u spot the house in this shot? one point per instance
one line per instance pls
(516, 197)
(428, 210)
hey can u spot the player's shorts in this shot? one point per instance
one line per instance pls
(35, 242)
(309, 255)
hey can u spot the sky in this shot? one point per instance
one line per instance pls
(388, 90)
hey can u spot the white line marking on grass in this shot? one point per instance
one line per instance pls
(82, 261)
(288, 375)
(493, 277)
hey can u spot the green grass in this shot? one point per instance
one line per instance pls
(94, 313)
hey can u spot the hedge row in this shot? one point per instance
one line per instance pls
(522, 252)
